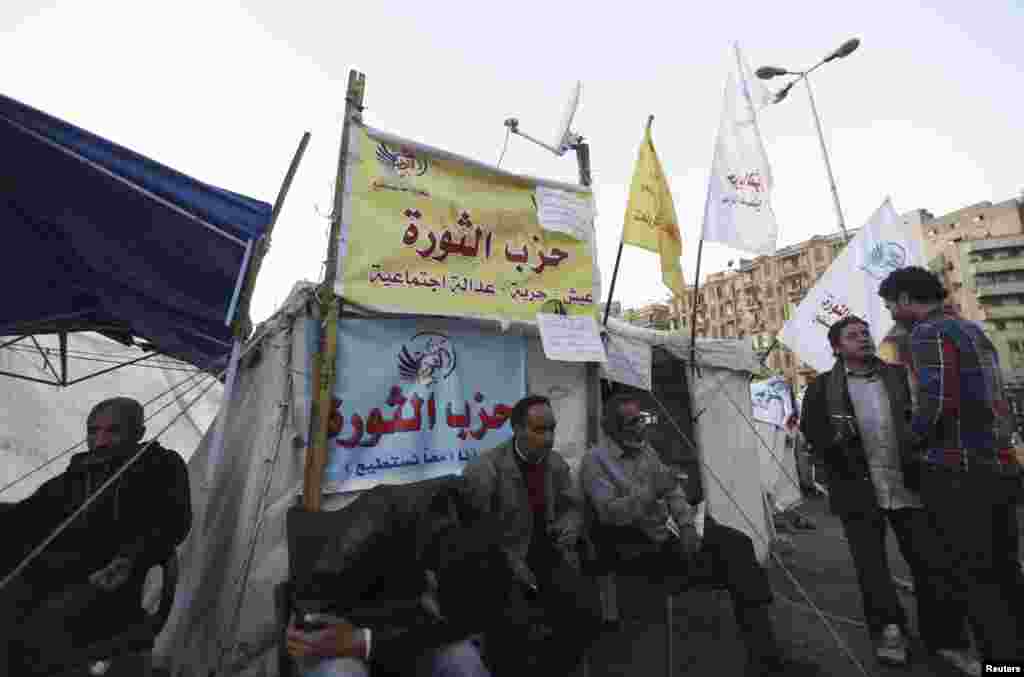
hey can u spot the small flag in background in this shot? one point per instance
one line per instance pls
(650, 220)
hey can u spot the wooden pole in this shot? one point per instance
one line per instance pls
(323, 390)
(245, 298)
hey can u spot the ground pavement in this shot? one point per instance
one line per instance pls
(706, 637)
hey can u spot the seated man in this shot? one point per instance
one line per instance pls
(644, 518)
(528, 490)
(407, 579)
(86, 585)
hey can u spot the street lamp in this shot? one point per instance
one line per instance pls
(769, 72)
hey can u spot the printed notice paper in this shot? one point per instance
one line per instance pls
(570, 338)
(628, 362)
(564, 212)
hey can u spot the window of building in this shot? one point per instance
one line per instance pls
(769, 292)
(767, 270)
(789, 360)
(777, 361)
(819, 254)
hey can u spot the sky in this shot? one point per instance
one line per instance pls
(927, 111)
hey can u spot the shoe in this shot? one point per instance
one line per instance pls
(961, 660)
(891, 648)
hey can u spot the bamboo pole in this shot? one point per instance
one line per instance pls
(324, 367)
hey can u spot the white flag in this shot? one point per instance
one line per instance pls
(850, 287)
(738, 211)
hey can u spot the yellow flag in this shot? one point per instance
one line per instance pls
(651, 220)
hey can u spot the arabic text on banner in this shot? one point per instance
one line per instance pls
(570, 339)
(419, 398)
(771, 401)
(850, 286)
(429, 234)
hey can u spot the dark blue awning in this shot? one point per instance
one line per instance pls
(99, 238)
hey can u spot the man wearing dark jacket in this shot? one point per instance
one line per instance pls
(856, 417)
(409, 577)
(86, 585)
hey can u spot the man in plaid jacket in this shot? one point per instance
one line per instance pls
(961, 428)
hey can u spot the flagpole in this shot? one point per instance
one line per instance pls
(618, 257)
(693, 313)
(611, 289)
(323, 362)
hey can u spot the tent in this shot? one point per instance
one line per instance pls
(38, 422)
(106, 240)
(237, 550)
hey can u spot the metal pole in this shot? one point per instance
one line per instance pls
(611, 290)
(694, 302)
(593, 374)
(828, 164)
(316, 459)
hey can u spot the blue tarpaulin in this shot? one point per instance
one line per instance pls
(99, 238)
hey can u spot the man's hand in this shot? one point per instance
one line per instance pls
(339, 640)
(524, 575)
(112, 576)
(428, 598)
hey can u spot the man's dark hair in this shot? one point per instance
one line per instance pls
(836, 330)
(920, 284)
(129, 412)
(518, 416)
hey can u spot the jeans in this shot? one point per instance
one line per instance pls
(940, 618)
(461, 659)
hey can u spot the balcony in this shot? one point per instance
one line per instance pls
(1009, 312)
(792, 271)
(749, 282)
(1000, 288)
(998, 265)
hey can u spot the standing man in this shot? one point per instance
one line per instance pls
(856, 417)
(87, 584)
(644, 518)
(960, 429)
(530, 493)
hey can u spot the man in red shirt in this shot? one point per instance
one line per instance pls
(530, 492)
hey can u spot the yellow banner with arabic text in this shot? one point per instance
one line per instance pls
(429, 233)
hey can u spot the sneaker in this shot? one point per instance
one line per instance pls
(891, 649)
(962, 661)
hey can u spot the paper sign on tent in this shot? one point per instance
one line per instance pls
(571, 338)
(563, 212)
(628, 362)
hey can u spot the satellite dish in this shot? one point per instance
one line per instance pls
(565, 138)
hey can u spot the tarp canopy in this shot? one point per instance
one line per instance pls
(100, 238)
(238, 548)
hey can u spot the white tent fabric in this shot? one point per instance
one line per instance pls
(778, 466)
(38, 421)
(237, 551)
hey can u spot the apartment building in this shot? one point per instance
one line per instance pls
(752, 299)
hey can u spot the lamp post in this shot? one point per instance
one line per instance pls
(769, 72)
